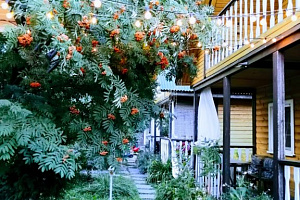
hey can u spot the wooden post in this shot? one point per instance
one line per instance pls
(170, 127)
(195, 137)
(155, 150)
(170, 118)
(254, 122)
(226, 134)
(278, 123)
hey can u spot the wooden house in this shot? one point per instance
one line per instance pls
(179, 101)
(258, 53)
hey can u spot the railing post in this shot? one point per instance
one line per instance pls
(226, 133)
(272, 18)
(254, 122)
(287, 176)
(235, 26)
(241, 24)
(257, 18)
(297, 181)
(280, 11)
(246, 20)
(278, 123)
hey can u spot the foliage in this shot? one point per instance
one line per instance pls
(31, 145)
(159, 172)
(144, 161)
(244, 191)
(80, 77)
(209, 154)
(36, 138)
(123, 189)
(182, 188)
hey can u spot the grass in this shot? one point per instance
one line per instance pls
(98, 189)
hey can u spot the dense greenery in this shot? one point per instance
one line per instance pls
(144, 161)
(182, 188)
(159, 172)
(209, 155)
(98, 188)
(77, 81)
(244, 191)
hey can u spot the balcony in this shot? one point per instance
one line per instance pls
(247, 26)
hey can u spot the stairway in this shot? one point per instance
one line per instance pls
(146, 191)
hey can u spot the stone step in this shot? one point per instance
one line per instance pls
(140, 182)
(138, 176)
(144, 187)
(145, 191)
(134, 171)
(147, 196)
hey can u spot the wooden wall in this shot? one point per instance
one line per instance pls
(200, 67)
(264, 97)
(241, 121)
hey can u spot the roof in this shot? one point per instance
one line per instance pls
(166, 85)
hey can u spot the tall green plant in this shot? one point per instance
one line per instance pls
(209, 155)
(182, 188)
(159, 172)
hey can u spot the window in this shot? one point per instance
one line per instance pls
(289, 128)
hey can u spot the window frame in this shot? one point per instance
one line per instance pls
(288, 103)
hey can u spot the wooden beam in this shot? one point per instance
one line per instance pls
(195, 136)
(278, 123)
(254, 122)
(226, 134)
(196, 105)
(170, 118)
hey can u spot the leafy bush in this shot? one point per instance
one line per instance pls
(244, 191)
(144, 160)
(159, 172)
(182, 188)
(32, 155)
(98, 189)
(209, 154)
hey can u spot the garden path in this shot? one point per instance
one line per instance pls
(146, 191)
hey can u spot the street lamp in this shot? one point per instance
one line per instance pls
(111, 171)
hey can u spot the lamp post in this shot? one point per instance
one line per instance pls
(111, 174)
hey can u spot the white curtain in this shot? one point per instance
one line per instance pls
(208, 122)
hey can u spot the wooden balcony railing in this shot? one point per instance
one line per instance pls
(292, 179)
(243, 22)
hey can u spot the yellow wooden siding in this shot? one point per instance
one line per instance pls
(200, 67)
(264, 97)
(241, 122)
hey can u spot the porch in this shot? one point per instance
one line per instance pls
(272, 74)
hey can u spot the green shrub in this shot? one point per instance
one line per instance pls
(98, 188)
(159, 172)
(244, 191)
(144, 160)
(182, 188)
